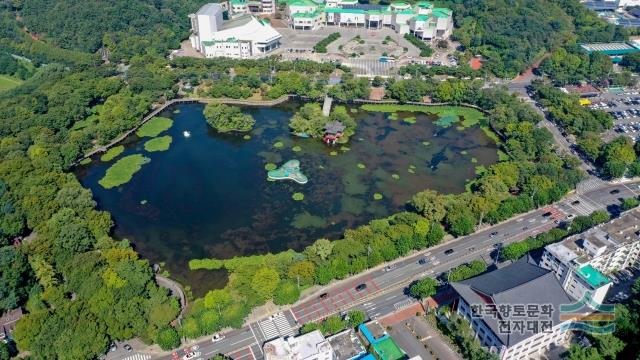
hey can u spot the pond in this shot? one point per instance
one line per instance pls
(209, 196)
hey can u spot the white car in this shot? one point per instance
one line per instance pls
(217, 337)
(190, 356)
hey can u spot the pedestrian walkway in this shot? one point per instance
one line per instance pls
(582, 205)
(590, 184)
(138, 357)
(371, 67)
(403, 304)
(275, 327)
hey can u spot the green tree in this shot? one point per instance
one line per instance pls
(423, 288)
(168, 338)
(356, 317)
(287, 292)
(226, 118)
(264, 282)
(332, 325)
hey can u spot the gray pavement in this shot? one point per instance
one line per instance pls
(385, 289)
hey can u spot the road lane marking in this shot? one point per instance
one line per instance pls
(252, 333)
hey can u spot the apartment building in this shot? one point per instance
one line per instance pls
(421, 19)
(310, 346)
(581, 261)
(514, 311)
(242, 37)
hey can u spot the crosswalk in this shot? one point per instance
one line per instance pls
(276, 327)
(371, 67)
(138, 357)
(403, 304)
(582, 205)
(590, 184)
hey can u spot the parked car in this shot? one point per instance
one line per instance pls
(614, 191)
(448, 252)
(361, 287)
(423, 261)
(324, 295)
(216, 337)
(128, 347)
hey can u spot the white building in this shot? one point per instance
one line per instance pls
(579, 261)
(255, 7)
(509, 332)
(420, 19)
(242, 37)
(310, 346)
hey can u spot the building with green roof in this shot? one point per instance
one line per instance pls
(420, 19)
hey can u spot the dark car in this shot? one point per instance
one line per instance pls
(575, 202)
(493, 234)
(547, 214)
(614, 191)
(361, 287)
(324, 295)
(113, 347)
(128, 347)
(448, 252)
(423, 261)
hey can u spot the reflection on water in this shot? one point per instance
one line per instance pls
(208, 196)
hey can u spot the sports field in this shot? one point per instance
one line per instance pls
(7, 82)
(389, 350)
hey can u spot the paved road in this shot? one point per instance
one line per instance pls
(385, 289)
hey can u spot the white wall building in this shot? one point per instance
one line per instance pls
(420, 19)
(242, 37)
(580, 261)
(310, 346)
(519, 285)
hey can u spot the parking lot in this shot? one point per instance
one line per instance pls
(625, 109)
(622, 282)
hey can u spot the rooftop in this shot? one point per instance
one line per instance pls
(346, 345)
(613, 48)
(210, 9)
(518, 283)
(579, 249)
(592, 276)
(299, 347)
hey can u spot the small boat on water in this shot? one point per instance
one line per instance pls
(186, 133)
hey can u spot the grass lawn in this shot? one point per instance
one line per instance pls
(154, 127)
(112, 153)
(389, 350)
(470, 116)
(161, 143)
(122, 171)
(7, 83)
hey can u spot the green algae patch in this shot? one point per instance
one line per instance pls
(154, 127)
(463, 152)
(296, 148)
(333, 153)
(395, 176)
(451, 114)
(393, 117)
(361, 166)
(278, 145)
(474, 160)
(344, 148)
(306, 220)
(426, 143)
(247, 137)
(143, 202)
(112, 153)
(297, 196)
(123, 170)
(161, 143)
(377, 196)
(409, 120)
(270, 166)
